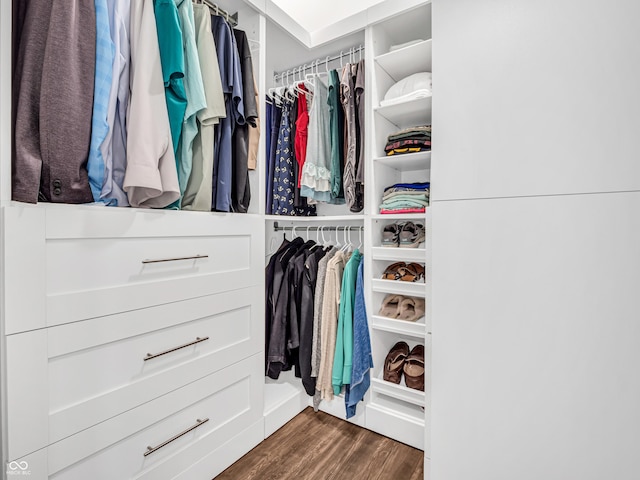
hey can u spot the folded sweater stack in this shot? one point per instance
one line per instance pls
(409, 140)
(405, 198)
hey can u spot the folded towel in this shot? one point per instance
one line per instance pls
(407, 144)
(409, 186)
(405, 193)
(402, 151)
(421, 130)
(386, 211)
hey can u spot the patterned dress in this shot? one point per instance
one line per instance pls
(284, 177)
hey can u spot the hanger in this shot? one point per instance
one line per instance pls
(345, 247)
(341, 56)
(298, 83)
(360, 50)
(273, 246)
(360, 238)
(325, 241)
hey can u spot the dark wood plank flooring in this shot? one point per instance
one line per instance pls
(318, 446)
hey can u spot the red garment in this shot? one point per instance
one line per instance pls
(302, 124)
(403, 210)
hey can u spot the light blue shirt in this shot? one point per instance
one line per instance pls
(101, 91)
(114, 147)
(194, 88)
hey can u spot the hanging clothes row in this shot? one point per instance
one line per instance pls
(315, 148)
(157, 108)
(316, 322)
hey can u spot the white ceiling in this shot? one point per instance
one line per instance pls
(317, 14)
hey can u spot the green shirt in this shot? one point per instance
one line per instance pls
(343, 357)
(172, 59)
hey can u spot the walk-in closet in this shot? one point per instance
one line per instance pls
(224, 251)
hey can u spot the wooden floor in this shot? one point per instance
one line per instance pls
(318, 446)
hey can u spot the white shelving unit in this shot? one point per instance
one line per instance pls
(406, 162)
(396, 410)
(392, 410)
(406, 61)
(402, 327)
(398, 254)
(411, 112)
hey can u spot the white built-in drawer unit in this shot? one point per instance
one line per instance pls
(125, 328)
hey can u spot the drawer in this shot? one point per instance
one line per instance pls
(211, 410)
(99, 368)
(119, 263)
(23, 262)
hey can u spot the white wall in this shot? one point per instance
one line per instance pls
(536, 302)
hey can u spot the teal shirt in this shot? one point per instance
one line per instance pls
(172, 58)
(343, 357)
(194, 94)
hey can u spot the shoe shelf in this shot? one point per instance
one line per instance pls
(406, 61)
(399, 216)
(416, 329)
(397, 408)
(398, 391)
(412, 289)
(407, 161)
(394, 254)
(407, 114)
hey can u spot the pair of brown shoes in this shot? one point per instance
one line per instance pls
(406, 272)
(400, 360)
(410, 309)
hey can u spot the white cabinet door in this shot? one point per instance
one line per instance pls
(536, 328)
(535, 98)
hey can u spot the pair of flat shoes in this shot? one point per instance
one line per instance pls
(402, 308)
(401, 361)
(406, 272)
(403, 235)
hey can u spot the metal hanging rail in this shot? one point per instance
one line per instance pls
(278, 228)
(299, 70)
(232, 19)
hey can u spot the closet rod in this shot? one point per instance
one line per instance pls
(314, 64)
(278, 228)
(232, 19)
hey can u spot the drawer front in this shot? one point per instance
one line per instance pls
(26, 393)
(23, 260)
(229, 400)
(99, 368)
(152, 260)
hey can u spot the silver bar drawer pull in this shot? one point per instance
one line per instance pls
(150, 449)
(177, 259)
(156, 355)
